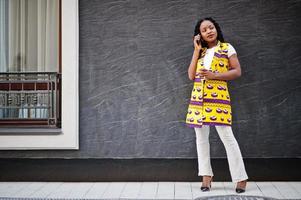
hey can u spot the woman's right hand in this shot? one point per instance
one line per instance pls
(196, 54)
(197, 42)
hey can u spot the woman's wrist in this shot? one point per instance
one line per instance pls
(216, 76)
(196, 51)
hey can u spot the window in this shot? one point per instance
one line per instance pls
(30, 69)
(65, 137)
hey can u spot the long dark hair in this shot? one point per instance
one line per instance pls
(220, 36)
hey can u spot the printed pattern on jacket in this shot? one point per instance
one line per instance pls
(210, 99)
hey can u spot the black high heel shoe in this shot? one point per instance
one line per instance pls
(241, 189)
(207, 188)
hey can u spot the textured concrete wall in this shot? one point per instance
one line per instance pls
(134, 88)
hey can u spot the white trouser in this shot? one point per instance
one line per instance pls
(235, 161)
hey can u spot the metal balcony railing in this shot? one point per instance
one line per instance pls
(30, 99)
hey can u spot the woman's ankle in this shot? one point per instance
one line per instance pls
(242, 184)
(207, 180)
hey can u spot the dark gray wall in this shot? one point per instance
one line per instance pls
(134, 89)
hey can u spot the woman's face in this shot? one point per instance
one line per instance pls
(208, 31)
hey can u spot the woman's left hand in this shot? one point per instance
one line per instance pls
(208, 74)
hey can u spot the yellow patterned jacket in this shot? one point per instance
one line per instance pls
(210, 100)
